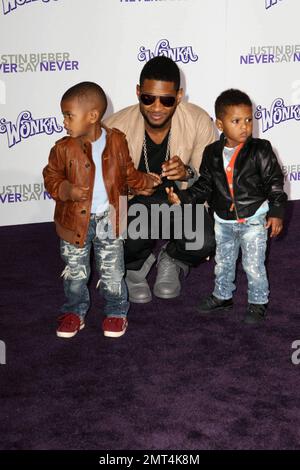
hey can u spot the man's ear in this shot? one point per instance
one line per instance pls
(219, 125)
(138, 91)
(94, 116)
(180, 94)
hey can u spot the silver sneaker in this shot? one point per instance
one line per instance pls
(138, 288)
(167, 284)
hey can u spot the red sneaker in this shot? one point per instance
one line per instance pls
(114, 326)
(70, 324)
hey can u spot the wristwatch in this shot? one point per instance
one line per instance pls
(190, 172)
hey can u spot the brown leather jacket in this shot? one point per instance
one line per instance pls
(71, 163)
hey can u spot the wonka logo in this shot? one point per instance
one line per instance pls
(26, 127)
(183, 54)
(271, 3)
(10, 5)
(277, 114)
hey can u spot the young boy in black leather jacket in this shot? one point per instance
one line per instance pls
(243, 182)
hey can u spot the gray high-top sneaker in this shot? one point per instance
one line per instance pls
(167, 284)
(138, 287)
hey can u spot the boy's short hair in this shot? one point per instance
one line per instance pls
(161, 68)
(231, 97)
(87, 91)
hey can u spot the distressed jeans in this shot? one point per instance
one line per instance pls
(109, 260)
(251, 237)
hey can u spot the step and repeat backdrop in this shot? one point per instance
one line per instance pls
(46, 46)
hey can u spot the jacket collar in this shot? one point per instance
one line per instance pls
(223, 140)
(86, 144)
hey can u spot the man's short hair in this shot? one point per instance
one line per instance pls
(87, 91)
(231, 97)
(163, 69)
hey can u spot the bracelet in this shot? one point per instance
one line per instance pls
(190, 172)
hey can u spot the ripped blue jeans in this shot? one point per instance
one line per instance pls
(251, 237)
(109, 260)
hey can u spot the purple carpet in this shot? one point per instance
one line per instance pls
(176, 380)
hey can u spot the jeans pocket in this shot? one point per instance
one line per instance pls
(260, 220)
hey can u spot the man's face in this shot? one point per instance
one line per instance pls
(236, 124)
(158, 114)
(76, 115)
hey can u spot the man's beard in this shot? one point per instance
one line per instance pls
(158, 125)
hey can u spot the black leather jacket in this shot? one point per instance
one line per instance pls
(257, 177)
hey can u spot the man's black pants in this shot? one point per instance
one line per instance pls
(137, 251)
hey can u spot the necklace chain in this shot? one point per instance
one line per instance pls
(146, 154)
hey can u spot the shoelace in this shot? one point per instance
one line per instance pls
(166, 265)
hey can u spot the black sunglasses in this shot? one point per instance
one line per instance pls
(166, 101)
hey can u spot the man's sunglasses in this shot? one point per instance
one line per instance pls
(166, 101)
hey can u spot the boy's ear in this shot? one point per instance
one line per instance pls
(219, 125)
(94, 116)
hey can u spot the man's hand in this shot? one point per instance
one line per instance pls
(79, 193)
(172, 197)
(174, 169)
(276, 226)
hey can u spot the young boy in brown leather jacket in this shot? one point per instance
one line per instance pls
(88, 174)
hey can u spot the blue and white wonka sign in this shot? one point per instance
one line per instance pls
(9, 6)
(277, 114)
(271, 3)
(182, 54)
(26, 126)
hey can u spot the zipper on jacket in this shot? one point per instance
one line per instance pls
(233, 206)
(231, 166)
(235, 209)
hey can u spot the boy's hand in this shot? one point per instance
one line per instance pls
(78, 193)
(174, 169)
(141, 192)
(172, 197)
(276, 226)
(154, 180)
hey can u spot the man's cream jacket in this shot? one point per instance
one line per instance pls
(192, 129)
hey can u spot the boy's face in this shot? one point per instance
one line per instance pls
(78, 118)
(236, 124)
